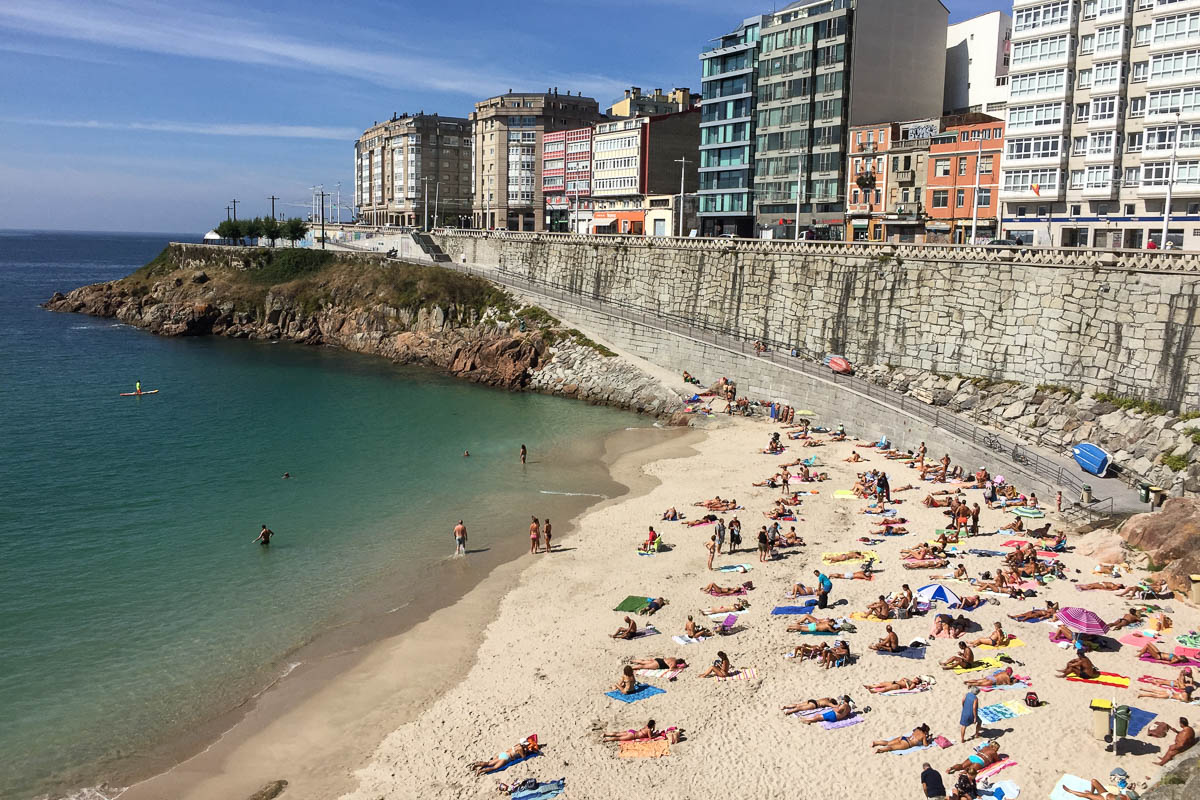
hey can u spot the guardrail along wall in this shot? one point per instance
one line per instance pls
(1121, 322)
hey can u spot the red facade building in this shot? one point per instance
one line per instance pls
(567, 179)
(962, 186)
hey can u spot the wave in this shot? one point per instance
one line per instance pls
(575, 494)
(101, 792)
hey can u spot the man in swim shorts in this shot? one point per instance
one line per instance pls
(460, 539)
(264, 536)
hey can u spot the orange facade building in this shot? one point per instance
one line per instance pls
(962, 184)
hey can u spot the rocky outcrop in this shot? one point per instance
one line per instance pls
(1181, 782)
(270, 791)
(1171, 538)
(575, 371)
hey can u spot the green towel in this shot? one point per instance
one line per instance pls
(633, 603)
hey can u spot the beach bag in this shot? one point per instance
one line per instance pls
(1031, 700)
(966, 785)
(1157, 729)
(735, 538)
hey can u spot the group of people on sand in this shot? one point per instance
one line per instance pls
(537, 530)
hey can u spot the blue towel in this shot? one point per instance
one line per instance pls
(908, 652)
(988, 553)
(804, 609)
(641, 694)
(516, 761)
(1138, 720)
(544, 791)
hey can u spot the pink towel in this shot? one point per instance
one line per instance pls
(995, 768)
(1139, 639)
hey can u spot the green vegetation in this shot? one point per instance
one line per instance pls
(239, 230)
(1192, 433)
(281, 266)
(1175, 463)
(538, 316)
(1054, 388)
(1185, 416)
(1172, 779)
(1131, 403)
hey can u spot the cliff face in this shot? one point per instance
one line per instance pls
(1171, 537)
(410, 314)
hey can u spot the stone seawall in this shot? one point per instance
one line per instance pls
(1095, 322)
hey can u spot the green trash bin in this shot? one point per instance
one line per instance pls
(1144, 492)
(1121, 720)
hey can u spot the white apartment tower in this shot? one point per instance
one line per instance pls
(1103, 134)
(977, 64)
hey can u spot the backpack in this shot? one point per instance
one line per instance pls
(1031, 700)
(735, 537)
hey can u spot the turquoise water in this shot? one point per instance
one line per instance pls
(133, 603)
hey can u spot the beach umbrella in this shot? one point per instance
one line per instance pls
(936, 591)
(1081, 620)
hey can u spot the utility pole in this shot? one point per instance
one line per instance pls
(272, 198)
(339, 202)
(975, 193)
(1162, 242)
(227, 213)
(235, 202)
(682, 162)
(425, 207)
(323, 195)
(437, 193)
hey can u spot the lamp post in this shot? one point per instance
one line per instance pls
(683, 162)
(975, 192)
(1162, 242)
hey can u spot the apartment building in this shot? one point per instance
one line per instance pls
(963, 180)
(780, 92)
(634, 103)
(506, 153)
(1103, 133)
(867, 180)
(636, 157)
(396, 160)
(567, 180)
(977, 54)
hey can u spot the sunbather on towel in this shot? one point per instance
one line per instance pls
(972, 602)
(725, 591)
(857, 575)
(721, 668)
(915, 682)
(525, 748)
(890, 643)
(811, 705)
(1097, 791)
(1104, 586)
(1037, 614)
(648, 732)
(1150, 586)
(740, 605)
(1131, 617)
(921, 552)
(809, 650)
(1002, 677)
(810, 624)
(853, 555)
(963, 659)
(1164, 693)
(985, 756)
(841, 711)
(707, 518)
(658, 663)
(694, 631)
(1080, 666)
(626, 631)
(628, 683)
(655, 605)
(1163, 658)
(918, 738)
(670, 514)
(1183, 682)
(996, 638)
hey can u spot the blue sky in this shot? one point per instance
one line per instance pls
(151, 116)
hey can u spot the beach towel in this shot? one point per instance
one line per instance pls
(649, 630)
(817, 633)
(724, 615)
(516, 761)
(1105, 679)
(642, 693)
(1191, 639)
(985, 553)
(660, 673)
(656, 748)
(992, 769)
(862, 615)
(853, 719)
(980, 664)
(996, 712)
(742, 675)
(1021, 685)
(1016, 543)
(544, 791)
(918, 690)
(1013, 641)
(741, 591)
(686, 640)
(734, 568)
(843, 494)
(916, 653)
(1138, 720)
(782, 610)
(868, 555)
(1071, 782)
(633, 603)
(1188, 652)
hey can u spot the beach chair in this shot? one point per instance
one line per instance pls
(726, 626)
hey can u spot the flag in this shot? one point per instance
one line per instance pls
(1037, 189)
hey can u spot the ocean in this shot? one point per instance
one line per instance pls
(135, 606)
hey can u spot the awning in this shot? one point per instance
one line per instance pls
(860, 223)
(600, 222)
(937, 226)
(903, 222)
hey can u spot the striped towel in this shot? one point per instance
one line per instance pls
(918, 690)
(742, 675)
(1105, 679)
(660, 673)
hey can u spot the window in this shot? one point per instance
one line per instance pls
(1137, 106)
(960, 198)
(1110, 7)
(1133, 143)
(941, 167)
(1132, 178)
(1087, 43)
(1103, 108)
(1079, 145)
(1023, 180)
(1035, 116)
(1164, 138)
(1141, 35)
(983, 197)
(1042, 16)
(1107, 75)
(1101, 143)
(1141, 70)
(962, 166)
(1033, 147)
(1175, 65)
(1076, 179)
(1089, 9)
(854, 196)
(1084, 79)
(1082, 110)
(1098, 177)
(985, 165)
(941, 198)
(1044, 82)
(904, 195)
(1110, 38)
(1177, 27)
(1035, 50)
(1170, 101)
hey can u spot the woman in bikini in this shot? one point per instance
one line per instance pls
(740, 605)
(841, 711)
(899, 685)
(721, 668)
(523, 750)
(1131, 617)
(658, 663)
(535, 535)
(985, 756)
(725, 591)
(1036, 614)
(1159, 656)
(694, 631)
(628, 683)
(648, 732)
(918, 738)
(1002, 677)
(996, 638)
(810, 705)
(809, 650)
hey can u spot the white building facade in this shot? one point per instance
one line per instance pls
(977, 52)
(1103, 137)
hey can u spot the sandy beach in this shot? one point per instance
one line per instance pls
(546, 658)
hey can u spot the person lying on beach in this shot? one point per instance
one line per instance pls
(1103, 586)
(1131, 617)
(658, 663)
(725, 591)
(918, 738)
(1002, 678)
(1185, 737)
(648, 732)
(694, 631)
(944, 623)
(655, 605)
(771, 482)
(1040, 533)
(880, 608)
(853, 555)
(1037, 614)
(1150, 586)
(892, 530)
(1183, 695)
(807, 623)
(900, 684)
(626, 631)
(1081, 667)
(740, 605)
(1163, 658)
(996, 638)
(721, 668)
(670, 514)
(800, 590)
(937, 502)
(1097, 791)
(890, 643)
(705, 520)
(963, 659)
(972, 602)
(985, 756)
(841, 711)
(858, 575)
(792, 539)
(522, 750)
(811, 705)
(804, 651)
(717, 504)
(906, 488)
(944, 539)
(921, 552)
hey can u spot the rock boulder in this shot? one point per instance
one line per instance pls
(1171, 537)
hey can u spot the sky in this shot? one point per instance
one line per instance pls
(143, 115)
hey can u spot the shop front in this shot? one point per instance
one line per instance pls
(632, 223)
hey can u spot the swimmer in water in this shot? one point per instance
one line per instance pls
(524, 453)
(264, 536)
(287, 475)
(466, 453)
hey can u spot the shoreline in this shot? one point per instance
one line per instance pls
(319, 722)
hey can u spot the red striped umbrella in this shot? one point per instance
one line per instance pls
(1081, 620)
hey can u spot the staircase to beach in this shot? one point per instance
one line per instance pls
(429, 247)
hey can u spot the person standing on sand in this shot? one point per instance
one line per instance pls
(264, 536)
(931, 783)
(546, 530)
(535, 537)
(824, 587)
(460, 539)
(720, 533)
(735, 533)
(524, 453)
(712, 546)
(970, 714)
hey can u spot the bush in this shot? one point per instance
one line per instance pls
(1185, 416)
(1193, 434)
(1131, 403)
(538, 316)
(282, 266)
(1053, 388)
(1175, 463)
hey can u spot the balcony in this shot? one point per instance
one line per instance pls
(906, 176)
(1180, 189)
(1041, 30)
(1100, 191)
(1174, 8)
(1045, 194)
(903, 145)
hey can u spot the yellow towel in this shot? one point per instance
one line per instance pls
(1014, 642)
(645, 749)
(980, 663)
(867, 555)
(864, 616)
(1017, 707)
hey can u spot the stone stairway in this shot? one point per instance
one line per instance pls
(429, 247)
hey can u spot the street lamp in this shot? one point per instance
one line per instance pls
(1170, 184)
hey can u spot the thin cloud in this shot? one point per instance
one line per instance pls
(162, 30)
(267, 130)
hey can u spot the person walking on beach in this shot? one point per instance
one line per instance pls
(824, 587)
(535, 537)
(460, 539)
(524, 453)
(970, 715)
(546, 531)
(720, 534)
(712, 546)
(735, 533)
(264, 536)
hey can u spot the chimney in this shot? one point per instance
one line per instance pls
(637, 91)
(626, 93)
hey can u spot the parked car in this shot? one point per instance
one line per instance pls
(1004, 243)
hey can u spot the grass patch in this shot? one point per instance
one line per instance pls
(1175, 463)
(156, 267)
(1185, 416)
(1172, 779)
(288, 264)
(1054, 388)
(586, 342)
(537, 316)
(1131, 403)
(1192, 433)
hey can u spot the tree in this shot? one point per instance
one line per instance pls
(252, 228)
(294, 229)
(229, 230)
(271, 229)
